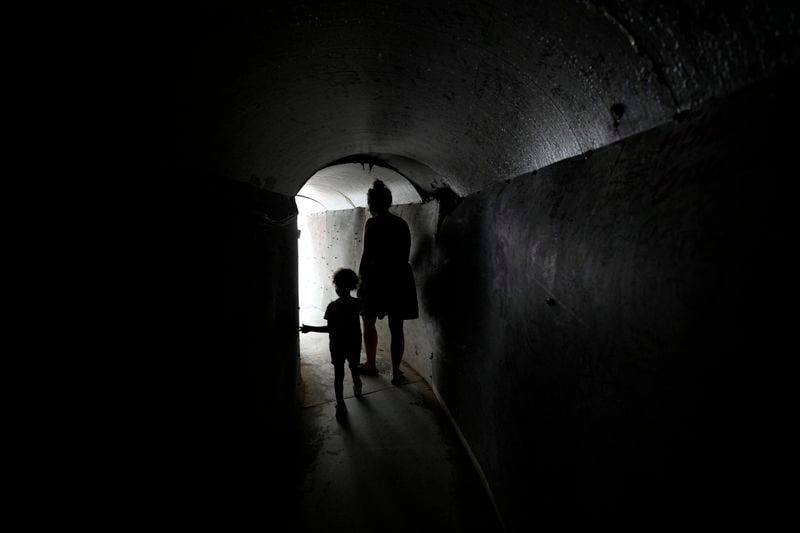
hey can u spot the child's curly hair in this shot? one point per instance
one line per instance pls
(345, 279)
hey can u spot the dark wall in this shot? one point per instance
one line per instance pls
(606, 322)
(223, 437)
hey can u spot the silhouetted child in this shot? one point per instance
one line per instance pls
(344, 328)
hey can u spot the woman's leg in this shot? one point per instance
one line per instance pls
(398, 344)
(370, 340)
(352, 362)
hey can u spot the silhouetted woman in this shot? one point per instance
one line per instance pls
(387, 282)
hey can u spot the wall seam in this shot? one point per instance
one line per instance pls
(472, 456)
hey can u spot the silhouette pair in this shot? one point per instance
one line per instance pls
(386, 288)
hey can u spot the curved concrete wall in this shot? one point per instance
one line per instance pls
(477, 91)
(598, 347)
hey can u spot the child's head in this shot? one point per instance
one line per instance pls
(345, 280)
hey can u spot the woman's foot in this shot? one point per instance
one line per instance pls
(367, 370)
(398, 378)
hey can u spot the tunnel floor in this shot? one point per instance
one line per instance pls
(395, 463)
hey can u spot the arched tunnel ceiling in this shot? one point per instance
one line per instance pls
(473, 90)
(345, 186)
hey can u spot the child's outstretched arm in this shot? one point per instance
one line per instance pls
(319, 329)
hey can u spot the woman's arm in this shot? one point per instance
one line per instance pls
(367, 250)
(405, 242)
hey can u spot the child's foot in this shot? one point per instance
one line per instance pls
(357, 389)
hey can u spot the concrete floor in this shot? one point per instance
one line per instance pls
(395, 463)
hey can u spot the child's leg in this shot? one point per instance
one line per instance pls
(338, 382)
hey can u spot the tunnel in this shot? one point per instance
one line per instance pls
(599, 201)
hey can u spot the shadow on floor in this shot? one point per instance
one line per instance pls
(394, 463)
